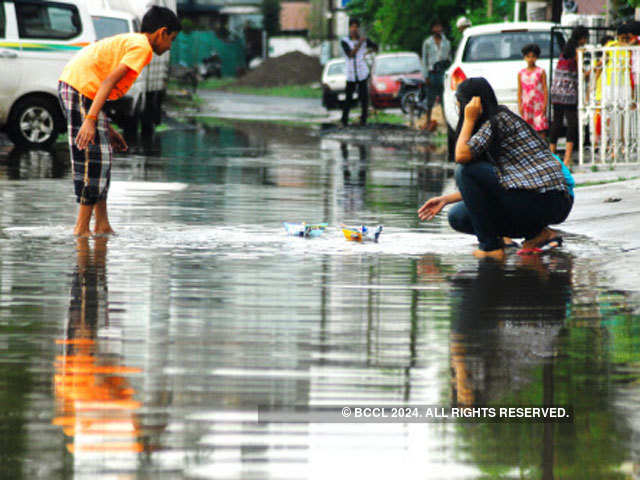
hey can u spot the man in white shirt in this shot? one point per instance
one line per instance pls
(436, 56)
(355, 48)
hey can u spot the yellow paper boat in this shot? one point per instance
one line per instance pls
(360, 234)
(352, 235)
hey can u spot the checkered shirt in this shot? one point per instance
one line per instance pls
(523, 162)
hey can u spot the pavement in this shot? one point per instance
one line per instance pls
(610, 215)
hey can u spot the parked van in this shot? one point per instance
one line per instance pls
(37, 39)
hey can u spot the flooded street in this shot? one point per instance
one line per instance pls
(147, 355)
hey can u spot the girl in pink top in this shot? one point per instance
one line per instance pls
(532, 91)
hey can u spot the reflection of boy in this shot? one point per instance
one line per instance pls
(105, 71)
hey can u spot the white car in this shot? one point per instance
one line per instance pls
(493, 51)
(334, 84)
(37, 39)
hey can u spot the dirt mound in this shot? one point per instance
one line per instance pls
(293, 68)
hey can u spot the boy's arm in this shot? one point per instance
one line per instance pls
(87, 132)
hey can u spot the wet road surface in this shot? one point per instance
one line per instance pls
(146, 355)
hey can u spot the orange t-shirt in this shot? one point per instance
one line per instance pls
(91, 65)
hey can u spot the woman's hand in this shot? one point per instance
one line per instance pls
(431, 208)
(87, 134)
(117, 142)
(473, 110)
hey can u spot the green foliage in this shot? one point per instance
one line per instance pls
(404, 24)
(271, 14)
(187, 25)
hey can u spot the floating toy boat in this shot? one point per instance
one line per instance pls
(362, 233)
(305, 229)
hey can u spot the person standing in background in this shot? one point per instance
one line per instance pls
(462, 24)
(355, 48)
(564, 93)
(436, 57)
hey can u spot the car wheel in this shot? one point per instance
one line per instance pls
(34, 122)
(451, 144)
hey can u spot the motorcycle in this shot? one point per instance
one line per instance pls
(210, 66)
(412, 95)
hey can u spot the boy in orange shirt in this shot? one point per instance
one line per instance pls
(105, 71)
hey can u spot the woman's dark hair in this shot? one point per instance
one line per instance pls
(531, 48)
(477, 87)
(579, 33)
(158, 17)
(354, 21)
(480, 87)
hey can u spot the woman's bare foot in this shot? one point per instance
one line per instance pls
(545, 235)
(493, 254)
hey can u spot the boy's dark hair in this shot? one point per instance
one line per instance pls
(625, 28)
(437, 21)
(158, 17)
(354, 21)
(531, 48)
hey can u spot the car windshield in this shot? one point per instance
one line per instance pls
(109, 26)
(398, 65)
(508, 45)
(336, 69)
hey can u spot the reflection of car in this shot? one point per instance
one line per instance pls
(334, 82)
(494, 52)
(386, 72)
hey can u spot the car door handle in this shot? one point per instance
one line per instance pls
(8, 54)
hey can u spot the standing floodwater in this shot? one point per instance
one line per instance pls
(146, 355)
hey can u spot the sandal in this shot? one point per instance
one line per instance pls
(551, 244)
(513, 244)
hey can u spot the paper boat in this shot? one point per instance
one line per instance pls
(362, 233)
(305, 229)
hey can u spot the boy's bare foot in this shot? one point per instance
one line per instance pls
(82, 232)
(104, 230)
(545, 235)
(497, 255)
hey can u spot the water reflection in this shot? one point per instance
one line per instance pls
(354, 176)
(201, 309)
(503, 323)
(95, 403)
(19, 164)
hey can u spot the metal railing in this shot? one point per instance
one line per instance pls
(608, 98)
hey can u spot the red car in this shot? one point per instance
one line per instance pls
(386, 72)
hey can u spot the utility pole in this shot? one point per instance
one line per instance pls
(489, 8)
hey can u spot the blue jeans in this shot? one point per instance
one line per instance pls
(491, 212)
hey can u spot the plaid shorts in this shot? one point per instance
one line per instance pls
(91, 166)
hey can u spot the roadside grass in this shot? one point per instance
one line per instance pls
(604, 182)
(227, 85)
(224, 122)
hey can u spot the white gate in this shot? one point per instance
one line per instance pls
(608, 95)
